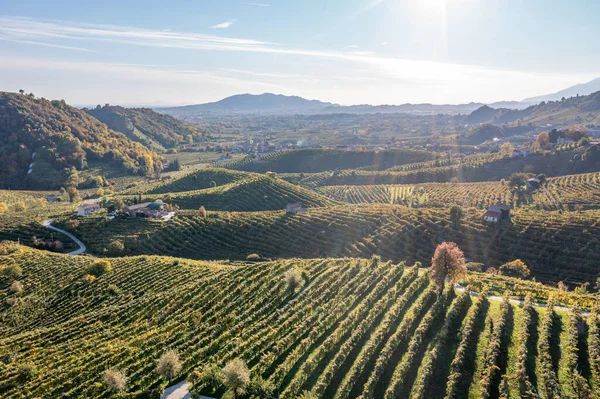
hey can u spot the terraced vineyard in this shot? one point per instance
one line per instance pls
(251, 192)
(318, 160)
(570, 192)
(199, 180)
(352, 328)
(556, 246)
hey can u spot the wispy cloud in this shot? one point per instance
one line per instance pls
(35, 43)
(352, 46)
(224, 25)
(257, 4)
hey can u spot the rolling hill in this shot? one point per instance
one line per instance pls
(556, 245)
(319, 160)
(152, 129)
(39, 139)
(252, 192)
(351, 328)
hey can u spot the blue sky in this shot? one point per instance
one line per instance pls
(344, 51)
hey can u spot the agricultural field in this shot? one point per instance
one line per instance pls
(571, 192)
(345, 328)
(555, 245)
(319, 160)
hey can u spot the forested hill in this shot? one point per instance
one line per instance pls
(40, 140)
(565, 112)
(154, 130)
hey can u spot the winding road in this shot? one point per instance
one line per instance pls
(82, 248)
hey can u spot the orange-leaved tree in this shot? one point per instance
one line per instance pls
(448, 262)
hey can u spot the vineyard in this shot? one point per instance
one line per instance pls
(556, 246)
(352, 328)
(251, 192)
(569, 192)
(319, 160)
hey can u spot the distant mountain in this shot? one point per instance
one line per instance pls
(40, 140)
(581, 89)
(267, 103)
(574, 110)
(154, 130)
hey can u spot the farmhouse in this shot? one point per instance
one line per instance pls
(51, 198)
(87, 209)
(295, 207)
(147, 209)
(497, 212)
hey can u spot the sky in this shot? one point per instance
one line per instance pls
(156, 52)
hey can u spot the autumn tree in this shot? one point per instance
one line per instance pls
(543, 140)
(448, 262)
(506, 149)
(202, 212)
(3, 208)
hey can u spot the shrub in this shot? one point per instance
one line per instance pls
(20, 207)
(168, 365)
(253, 257)
(16, 287)
(88, 278)
(12, 271)
(516, 268)
(474, 266)
(116, 247)
(3, 208)
(113, 290)
(236, 376)
(292, 277)
(100, 267)
(114, 381)
(26, 372)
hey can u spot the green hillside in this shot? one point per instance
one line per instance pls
(478, 168)
(154, 130)
(571, 192)
(351, 327)
(252, 193)
(61, 137)
(199, 180)
(555, 245)
(319, 160)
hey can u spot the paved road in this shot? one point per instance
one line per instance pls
(180, 391)
(82, 248)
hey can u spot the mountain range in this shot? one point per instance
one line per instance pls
(277, 104)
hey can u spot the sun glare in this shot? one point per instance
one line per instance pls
(433, 6)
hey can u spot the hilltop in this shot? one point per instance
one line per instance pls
(40, 139)
(152, 129)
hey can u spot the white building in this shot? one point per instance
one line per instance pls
(87, 209)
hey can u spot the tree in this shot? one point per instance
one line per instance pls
(176, 165)
(16, 287)
(116, 247)
(598, 284)
(100, 267)
(456, 212)
(168, 365)
(21, 91)
(20, 207)
(3, 208)
(448, 262)
(516, 268)
(236, 377)
(543, 140)
(506, 149)
(554, 135)
(114, 381)
(202, 212)
(517, 180)
(292, 277)
(73, 193)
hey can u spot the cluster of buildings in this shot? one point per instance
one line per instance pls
(155, 209)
